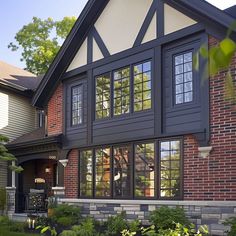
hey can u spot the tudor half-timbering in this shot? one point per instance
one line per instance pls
(139, 124)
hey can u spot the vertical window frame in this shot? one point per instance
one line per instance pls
(80, 85)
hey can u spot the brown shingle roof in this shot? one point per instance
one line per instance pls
(18, 78)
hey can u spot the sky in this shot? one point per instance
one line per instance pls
(16, 13)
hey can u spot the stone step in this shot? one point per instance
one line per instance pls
(22, 217)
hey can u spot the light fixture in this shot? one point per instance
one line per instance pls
(47, 169)
(64, 162)
(31, 221)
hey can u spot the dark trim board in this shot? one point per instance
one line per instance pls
(199, 9)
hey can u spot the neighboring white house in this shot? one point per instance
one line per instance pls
(17, 115)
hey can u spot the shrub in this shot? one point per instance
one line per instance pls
(63, 211)
(4, 220)
(86, 228)
(166, 218)
(116, 224)
(3, 199)
(232, 223)
(68, 233)
(16, 227)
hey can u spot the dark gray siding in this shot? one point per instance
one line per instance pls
(187, 117)
(76, 135)
(124, 128)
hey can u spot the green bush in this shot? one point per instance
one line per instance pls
(3, 199)
(16, 227)
(116, 224)
(86, 228)
(4, 220)
(68, 233)
(166, 218)
(70, 214)
(232, 223)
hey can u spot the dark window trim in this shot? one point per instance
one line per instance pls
(132, 148)
(71, 105)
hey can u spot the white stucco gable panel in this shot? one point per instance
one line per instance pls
(151, 33)
(97, 54)
(4, 114)
(80, 58)
(175, 20)
(120, 23)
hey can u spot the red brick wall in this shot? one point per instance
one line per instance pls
(55, 112)
(214, 178)
(71, 175)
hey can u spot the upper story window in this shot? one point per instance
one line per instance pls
(121, 88)
(183, 77)
(142, 86)
(121, 99)
(77, 105)
(103, 96)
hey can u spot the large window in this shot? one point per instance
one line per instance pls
(103, 172)
(143, 170)
(122, 172)
(77, 104)
(121, 88)
(131, 90)
(183, 78)
(86, 173)
(103, 95)
(142, 86)
(170, 169)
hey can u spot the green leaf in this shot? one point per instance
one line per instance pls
(204, 51)
(45, 229)
(228, 46)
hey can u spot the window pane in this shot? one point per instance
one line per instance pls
(170, 168)
(103, 172)
(142, 86)
(86, 173)
(144, 170)
(76, 102)
(122, 172)
(103, 96)
(121, 91)
(183, 78)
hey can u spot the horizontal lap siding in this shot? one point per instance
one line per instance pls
(77, 135)
(126, 128)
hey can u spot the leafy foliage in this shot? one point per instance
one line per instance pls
(232, 223)
(165, 218)
(6, 156)
(86, 228)
(2, 199)
(220, 58)
(40, 41)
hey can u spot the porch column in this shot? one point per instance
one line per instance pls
(11, 194)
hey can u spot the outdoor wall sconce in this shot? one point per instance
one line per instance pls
(47, 170)
(204, 152)
(64, 162)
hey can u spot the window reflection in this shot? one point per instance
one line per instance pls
(122, 172)
(86, 173)
(144, 170)
(170, 169)
(102, 178)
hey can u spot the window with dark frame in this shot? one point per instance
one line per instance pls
(121, 89)
(123, 98)
(95, 181)
(86, 173)
(77, 105)
(142, 86)
(102, 172)
(183, 77)
(170, 168)
(122, 172)
(144, 170)
(103, 96)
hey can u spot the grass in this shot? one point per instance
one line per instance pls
(4, 231)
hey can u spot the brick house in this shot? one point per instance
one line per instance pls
(17, 115)
(130, 125)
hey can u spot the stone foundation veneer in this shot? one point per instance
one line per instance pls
(11, 198)
(211, 213)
